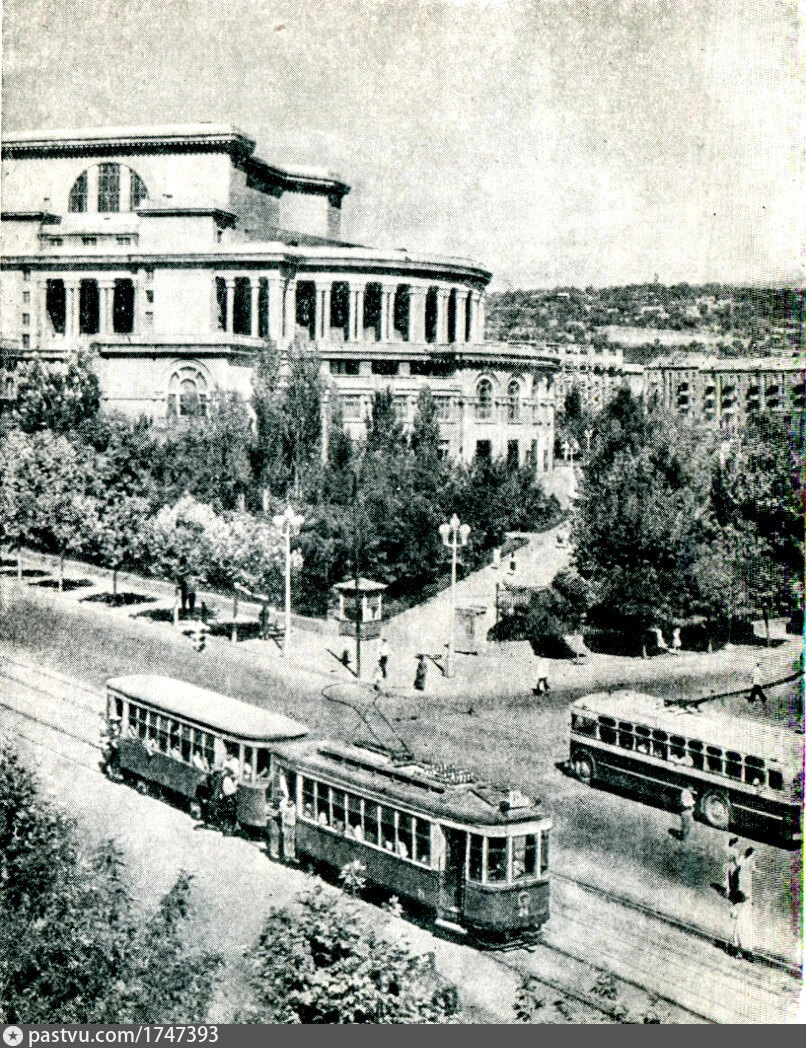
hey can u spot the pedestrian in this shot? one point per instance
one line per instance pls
(345, 659)
(192, 601)
(419, 676)
(274, 817)
(229, 790)
(288, 819)
(677, 644)
(687, 803)
(734, 853)
(757, 692)
(542, 685)
(383, 657)
(742, 936)
(264, 622)
(377, 678)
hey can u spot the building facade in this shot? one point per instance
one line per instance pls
(597, 372)
(173, 254)
(728, 391)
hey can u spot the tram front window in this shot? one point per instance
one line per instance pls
(544, 852)
(476, 857)
(524, 857)
(496, 859)
(262, 763)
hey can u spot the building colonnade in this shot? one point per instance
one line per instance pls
(348, 310)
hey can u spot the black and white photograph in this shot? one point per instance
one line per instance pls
(401, 515)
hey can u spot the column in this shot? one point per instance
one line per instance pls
(388, 292)
(481, 318)
(254, 318)
(40, 311)
(290, 309)
(461, 315)
(276, 298)
(352, 294)
(359, 313)
(416, 313)
(443, 294)
(70, 308)
(323, 292)
(230, 285)
(106, 291)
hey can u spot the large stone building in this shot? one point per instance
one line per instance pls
(598, 372)
(172, 253)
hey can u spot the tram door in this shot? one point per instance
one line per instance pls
(454, 878)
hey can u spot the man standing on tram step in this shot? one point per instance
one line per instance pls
(288, 820)
(757, 692)
(419, 676)
(383, 657)
(687, 803)
(742, 937)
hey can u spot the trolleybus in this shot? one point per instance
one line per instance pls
(745, 774)
(474, 855)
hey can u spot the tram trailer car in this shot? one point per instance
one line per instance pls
(475, 856)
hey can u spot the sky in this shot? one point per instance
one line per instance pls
(557, 142)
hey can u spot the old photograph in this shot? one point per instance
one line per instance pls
(401, 514)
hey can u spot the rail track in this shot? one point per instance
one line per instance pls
(37, 683)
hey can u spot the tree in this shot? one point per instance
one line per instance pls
(179, 541)
(120, 532)
(57, 397)
(384, 430)
(245, 551)
(65, 514)
(322, 963)
(302, 414)
(17, 496)
(74, 947)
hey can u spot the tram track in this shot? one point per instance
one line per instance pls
(518, 960)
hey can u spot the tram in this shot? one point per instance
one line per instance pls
(745, 774)
(472, 855)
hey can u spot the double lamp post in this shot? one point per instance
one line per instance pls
(454, 534)
(288, 523)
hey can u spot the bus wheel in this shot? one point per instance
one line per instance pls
(715, 810)
(195, 811)
(583, 767)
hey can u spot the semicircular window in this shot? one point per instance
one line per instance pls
(107, 188)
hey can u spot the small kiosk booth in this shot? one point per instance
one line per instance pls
(360, 604)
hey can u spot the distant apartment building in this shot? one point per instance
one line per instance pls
(596, 372)
(726, 392)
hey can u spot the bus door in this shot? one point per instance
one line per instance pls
(453, 881)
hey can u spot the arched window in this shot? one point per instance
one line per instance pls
(514, 400)
(78, 194)
(118, 189)
(484, 400)
(187, 394)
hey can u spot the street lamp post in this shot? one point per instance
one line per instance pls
(454, 534)
(288, 523)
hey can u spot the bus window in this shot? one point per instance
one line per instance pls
(354, 827)
(642, 739)
(677, 749)
(714, 759)
(660, 745)
(371, 822)
(476, 857)
(626, 739)
(544, 851)
(338, 807)
(524, 857)
(496, 859)
(133, 713)
(583, 725)
(733, 765)
(387, 829)
(308, 798)
(607, 730)
(422, 841)
(153, 725)
(186, 743)
(754, 771)
(142, 724)
(776, 780)
(175, 741)
(263, 763)
(405, 840)
(695, 754)
(322, 804)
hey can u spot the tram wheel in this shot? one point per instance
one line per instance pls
(715, 810)
(195, 811)
(142, 787)
(583, 767)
